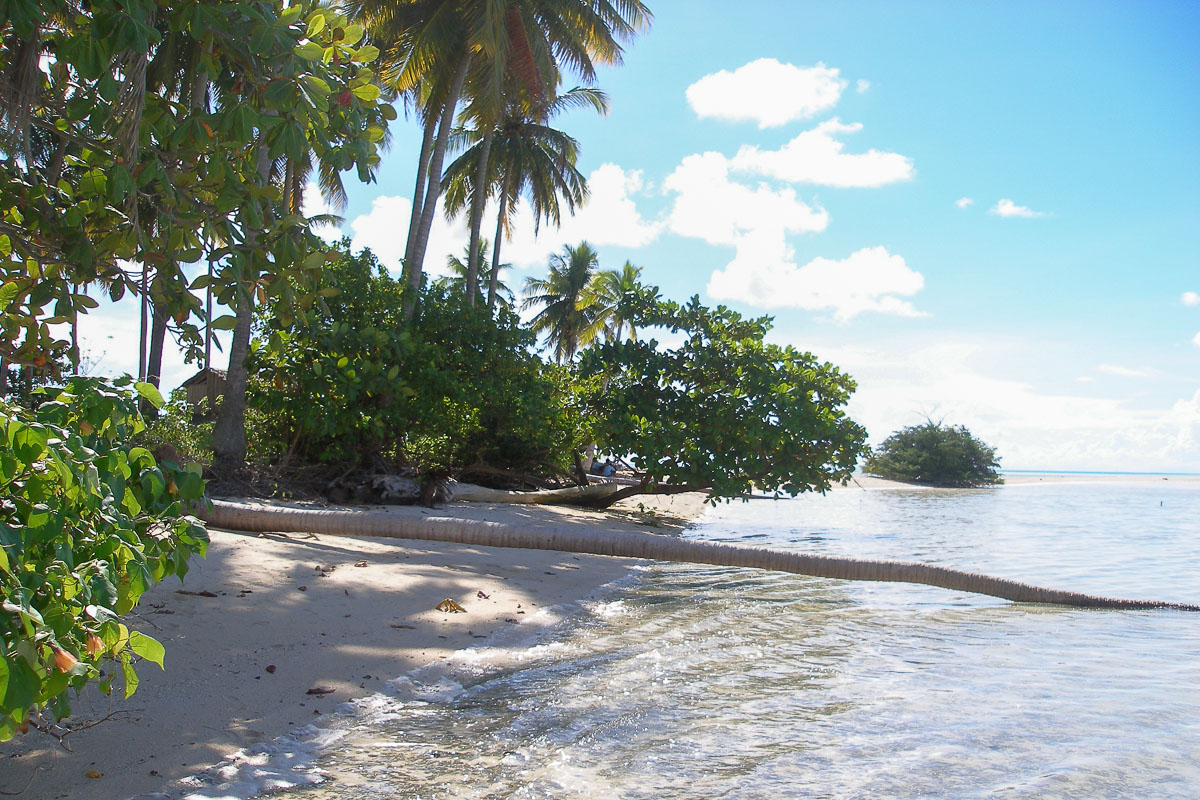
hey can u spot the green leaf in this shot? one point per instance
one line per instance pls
(226, 322)
(367, 53)
(309, 51)
(368, 92)
(149, 392)
(147, 647)
(131, 678)
(316, 24)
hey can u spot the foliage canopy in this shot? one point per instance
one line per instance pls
(724, 410)
(935, 454)
(88, 522)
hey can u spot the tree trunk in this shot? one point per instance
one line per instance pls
(434, 189)
(477, 203)
(229, 431)
(143, 322)
(414, 220)
(478, 533)
(158, 336)
(494, 277)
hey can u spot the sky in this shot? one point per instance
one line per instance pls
(987, 213)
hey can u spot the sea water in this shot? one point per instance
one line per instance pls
(706, 682)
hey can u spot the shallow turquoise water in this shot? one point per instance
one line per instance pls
(703, 682)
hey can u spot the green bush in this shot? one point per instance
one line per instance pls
(723, 411)
(349, 382)
(937, 455)
(88, 522)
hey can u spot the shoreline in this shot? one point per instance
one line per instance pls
(265, 619)
(871, 482)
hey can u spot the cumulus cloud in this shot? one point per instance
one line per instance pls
(709, 205)
(872, 279)
(1007, 208)
(1190, 299)
(313, 204)
(767, 91)
(1031, 428)
(964, 202)
(816, 156)
(862, 85)
(610, 217)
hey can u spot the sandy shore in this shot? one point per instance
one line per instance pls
(265, 619)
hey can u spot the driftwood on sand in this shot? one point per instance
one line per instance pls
(634, 545)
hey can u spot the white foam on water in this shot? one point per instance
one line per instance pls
(289, 760)
(283, 763)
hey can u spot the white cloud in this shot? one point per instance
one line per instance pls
(767, 91)
(816, 156)
(313, 204)
(610, 217)
(1085, 379)
(862, 85)
(1031, 428)
(1190, 299)
(710, 206)
(1196, 340)
(1007, 208)
(871, 279)
(964, 202)
(1124, 372)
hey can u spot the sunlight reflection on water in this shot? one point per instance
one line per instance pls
(710, 682)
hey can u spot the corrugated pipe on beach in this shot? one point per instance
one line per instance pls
(236, 516)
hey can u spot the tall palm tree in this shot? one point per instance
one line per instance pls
(606, 295)
(433, 44)
(566, 321)
(527, 157)
(459, 269)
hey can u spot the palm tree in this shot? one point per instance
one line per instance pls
(526, 157)
(566, 321)
(606, 296)
(431, 45)
(476, 533)
(459, 270)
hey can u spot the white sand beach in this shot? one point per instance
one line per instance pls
(264, 619)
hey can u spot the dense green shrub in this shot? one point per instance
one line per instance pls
(87, 524)
(937, 455)
(348, 382)
(723, 411)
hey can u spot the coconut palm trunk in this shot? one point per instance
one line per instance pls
(414, 263)
(478, 533)
(494, 276)
(477, 203)
(414, 220)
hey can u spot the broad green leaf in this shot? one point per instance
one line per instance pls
(367, 53)
(131, 678)
(309, 51)
(147, 647)
(149, 392)
(316, 24)
(368, 92)
(226, 322)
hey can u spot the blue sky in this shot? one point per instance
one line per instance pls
(985, 212)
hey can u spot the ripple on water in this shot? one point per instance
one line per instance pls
(708, 682)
